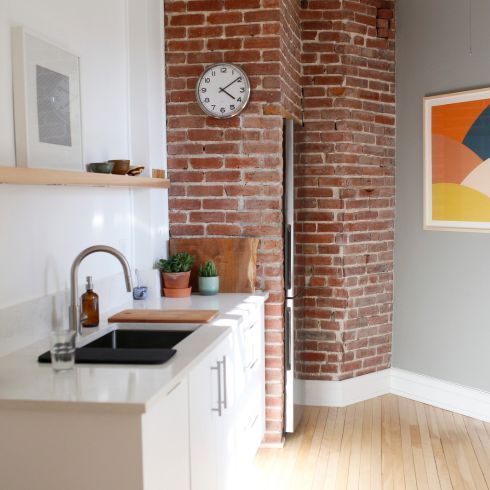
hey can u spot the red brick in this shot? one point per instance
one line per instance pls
(223, 18)
(224, 230)
(204, 5)
(186, 230)
(186, 20)
(206, 217)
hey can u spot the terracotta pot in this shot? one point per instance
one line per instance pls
(177, 293)
(176, 280)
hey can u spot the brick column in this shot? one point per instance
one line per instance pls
(227, 174)
(347, 198)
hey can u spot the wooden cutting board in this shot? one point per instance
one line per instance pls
(164, 316)
(235, 259)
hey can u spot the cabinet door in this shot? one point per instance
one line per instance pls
(212, 423)
(203, 403)
(226, 422)
(166, 441)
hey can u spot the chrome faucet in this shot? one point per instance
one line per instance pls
(75, 315)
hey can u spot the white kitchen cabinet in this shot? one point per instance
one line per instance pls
(211, 417)
(165, 431)
(223, 442)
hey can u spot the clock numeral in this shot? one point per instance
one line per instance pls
(203, 90)
(213, 106)
(232, 107)
(239, 80)
(206, 99)
(242, 89)
(207, 80)
(223, 69)
(222, 110)
(239, 99)
(232, 72)
(213, 73)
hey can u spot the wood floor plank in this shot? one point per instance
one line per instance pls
(295, 474)
(331, 475)
(387, 445)
(345, 449)
(376, 447)
(406, 441)
(308, 452)
(387, 442)
(437, 449)
(325, 448)
(366, 446)
(462, 462)
(450, 451)
(398, 475)
(482, 456)
(355, 453)
(470, 454)
(428, 454)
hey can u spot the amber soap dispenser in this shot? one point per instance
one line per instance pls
(90, 305)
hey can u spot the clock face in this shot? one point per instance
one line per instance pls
(223, 90)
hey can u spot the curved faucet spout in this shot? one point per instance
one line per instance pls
(75, 323)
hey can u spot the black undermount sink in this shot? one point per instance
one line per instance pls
(138, 339)
(128, 347)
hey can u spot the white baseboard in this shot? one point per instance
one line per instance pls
(347, 392)
(443, 394)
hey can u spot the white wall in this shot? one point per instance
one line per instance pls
(44, 227)
(441, 322)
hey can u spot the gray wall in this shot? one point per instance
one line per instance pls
(442, 279)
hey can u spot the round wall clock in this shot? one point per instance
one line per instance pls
(223, 90)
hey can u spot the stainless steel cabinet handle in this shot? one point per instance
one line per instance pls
(220, 401)
(252, 364)
(251, 326)
(225, 389)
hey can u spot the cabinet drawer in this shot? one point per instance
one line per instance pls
(251, 427)
(253, 350)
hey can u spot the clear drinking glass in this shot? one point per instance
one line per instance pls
(62, 349)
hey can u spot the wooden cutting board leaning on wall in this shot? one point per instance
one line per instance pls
(235, 259)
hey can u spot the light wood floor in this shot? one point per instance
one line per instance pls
(387, 442)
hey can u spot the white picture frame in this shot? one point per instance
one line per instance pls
(47, 105)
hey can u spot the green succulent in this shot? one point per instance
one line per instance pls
(208, 269)
(180, 262)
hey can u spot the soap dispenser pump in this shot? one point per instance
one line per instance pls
(90, 305)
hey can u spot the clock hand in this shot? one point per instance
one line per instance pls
(227, 93)
(231, 83)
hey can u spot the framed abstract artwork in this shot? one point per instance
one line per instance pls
(457, 161)
(47, 114)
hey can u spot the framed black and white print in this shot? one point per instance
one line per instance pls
(47, 113)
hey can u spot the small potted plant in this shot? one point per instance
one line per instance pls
(176, 272)
(208, 279)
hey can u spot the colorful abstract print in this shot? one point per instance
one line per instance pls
(461, 161)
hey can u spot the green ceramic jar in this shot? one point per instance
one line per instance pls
(209, 285)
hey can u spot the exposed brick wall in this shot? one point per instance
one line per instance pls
(227, 175)
(347, 195)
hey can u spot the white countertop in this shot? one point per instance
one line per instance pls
(26, 384)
